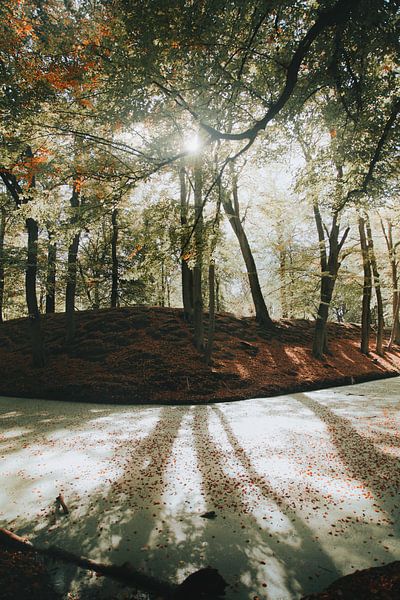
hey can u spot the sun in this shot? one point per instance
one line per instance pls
(192, 143)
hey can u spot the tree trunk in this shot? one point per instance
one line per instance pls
(377, 285)
(217, 295)
(282, 277)
(233, 214)
(329, 269)
(71, 272)
(51, 275)
(2, 235)
(162, 286)
(211, 312)
(395, 333)
(38, 354)
(16, 192)
(198, 240)
(114, 258)
(186, 272)
(366, 299)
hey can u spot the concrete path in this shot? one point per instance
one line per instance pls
(305, 486)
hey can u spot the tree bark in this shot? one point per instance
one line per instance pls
(377, 286)
(186, 272)
(395, 333)
(51, 275)
(366, 299)
(330, 265)
(211, 312)
(217, 294)
(198, 239)
(70, 291)
(233, 214)
(114, 259)
(162, 284)
(38, 354)
(2, 266)
(282, 276)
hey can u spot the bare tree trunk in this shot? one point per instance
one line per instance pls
(233, 214)
(71, 271)
(329, 269)
(377, 285)
(51, 275)
(31, 296)
(366, 300)
(114, 259)
(162, 287)
(198, 239)
(2, 269)
(282, 277)
(211, 312)
(395, 333)
(168, 286)
(217, 295)
(186, 272)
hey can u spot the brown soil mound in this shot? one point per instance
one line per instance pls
(146, 355)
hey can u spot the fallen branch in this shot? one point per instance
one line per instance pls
(206, 582)
(125, 573)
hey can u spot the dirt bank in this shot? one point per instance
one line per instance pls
(145, 355)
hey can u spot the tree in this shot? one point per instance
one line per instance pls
(186, 271)
(232, 211)
(21, 197)
(392, 247)
(198, 248)
(377, 286)
(366, 298)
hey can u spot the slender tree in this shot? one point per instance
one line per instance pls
(377, 286)
(51, 273)
(329, 253)
(114, 258)
(232, 211)
(392, 251)
(186, 271)
(366, 298)
(32, 228)
(70, 291)
(199, 241)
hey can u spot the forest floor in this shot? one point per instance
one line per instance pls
(304, 488)
(144, 355)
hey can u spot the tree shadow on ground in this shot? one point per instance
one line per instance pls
(116, 515)
(378, 471)
(130, 516)
(258, 551)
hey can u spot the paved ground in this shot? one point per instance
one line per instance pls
(305, 487)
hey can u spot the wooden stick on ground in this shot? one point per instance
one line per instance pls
(125, 572)
(206, 582)
(60, 502)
